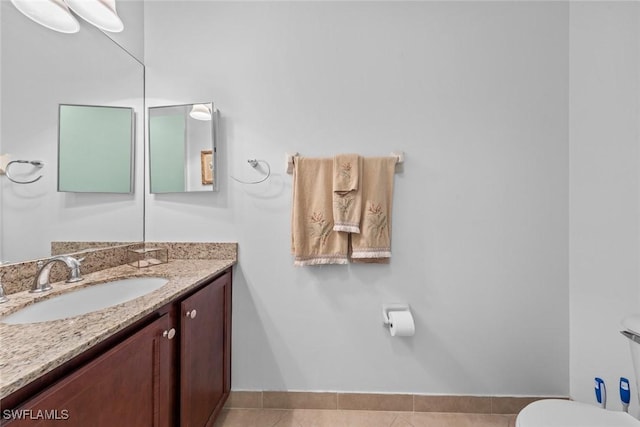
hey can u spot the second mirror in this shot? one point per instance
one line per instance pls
(182, 148)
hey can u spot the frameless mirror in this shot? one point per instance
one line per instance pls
(41, 69)
(95, 149)
(182, 148)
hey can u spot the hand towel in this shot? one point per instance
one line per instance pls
(373, 244)
(347, 200)
(313, 240)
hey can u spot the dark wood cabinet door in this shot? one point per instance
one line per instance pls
(126, 386)
(205, 330)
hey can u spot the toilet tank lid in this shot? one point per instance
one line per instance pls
(632, 323)
(568, 413)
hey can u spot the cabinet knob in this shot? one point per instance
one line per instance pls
(169, 334)
(192, 313)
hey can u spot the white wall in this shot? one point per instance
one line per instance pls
(131, 38)
(41, 69)
(475, 93)
(604, 192)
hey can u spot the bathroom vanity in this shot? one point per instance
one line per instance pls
(160, 360)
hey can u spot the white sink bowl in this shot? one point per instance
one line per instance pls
(85, 300)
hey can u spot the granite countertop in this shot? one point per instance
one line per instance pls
(28, 351)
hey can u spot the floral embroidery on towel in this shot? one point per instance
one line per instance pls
(343, 204)
(319, 227)
(345, 170)
(377, 219)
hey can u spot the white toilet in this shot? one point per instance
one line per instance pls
(566, 413)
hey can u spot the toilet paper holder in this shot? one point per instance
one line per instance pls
(386, 308)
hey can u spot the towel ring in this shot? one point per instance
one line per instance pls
(254, 164)
(37, 163)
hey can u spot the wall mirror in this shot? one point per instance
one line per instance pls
(41, 69)
(182, 148)
(95, 149)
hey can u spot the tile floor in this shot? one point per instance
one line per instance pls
(349, 418)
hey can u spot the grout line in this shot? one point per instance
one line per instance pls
(393, 421)
(275, 423)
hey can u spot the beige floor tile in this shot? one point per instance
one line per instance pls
(434, 419)
(250, 418)
(343, 418)
(235, 417)
(401, 422)
(287, 420)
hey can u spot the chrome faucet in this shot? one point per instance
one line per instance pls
(41, 281)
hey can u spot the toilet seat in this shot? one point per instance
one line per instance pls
(566, 413)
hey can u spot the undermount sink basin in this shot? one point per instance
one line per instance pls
(86, 300)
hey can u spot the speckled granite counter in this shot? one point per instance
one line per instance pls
(28, 351)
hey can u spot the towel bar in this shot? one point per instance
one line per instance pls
(399, 155)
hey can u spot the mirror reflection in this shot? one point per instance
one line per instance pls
(95, 149)
(41, 69)
(182, 148)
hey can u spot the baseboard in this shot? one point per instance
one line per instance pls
(379, 402)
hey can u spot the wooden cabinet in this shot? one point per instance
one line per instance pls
(125, 386)
(172, 368)
(205, 353)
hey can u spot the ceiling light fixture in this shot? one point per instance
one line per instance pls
(53, 14)
(101, 13)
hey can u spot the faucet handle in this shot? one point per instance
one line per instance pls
(74, 273)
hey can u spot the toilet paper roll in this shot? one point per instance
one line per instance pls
(401, 324)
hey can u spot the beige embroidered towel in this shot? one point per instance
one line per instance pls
(313, 240)
(373, 244)
(347, 200)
